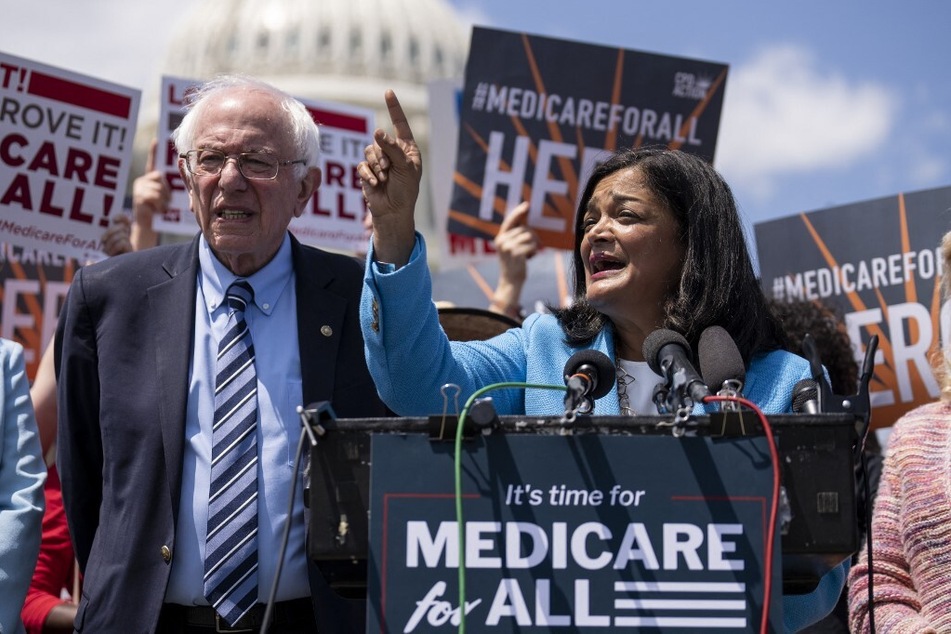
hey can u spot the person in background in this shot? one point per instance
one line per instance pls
(911, 518)
(51, 600)
(46, 610)
(837, 355)
(143, 403)
(22, 475)
(516, 243)
(150, 197)
(658, 244)
(802, 317)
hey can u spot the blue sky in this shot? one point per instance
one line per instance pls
(827, 103)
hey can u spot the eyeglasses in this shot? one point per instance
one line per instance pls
(252, 165)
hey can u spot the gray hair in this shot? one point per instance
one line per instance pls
(302, 127)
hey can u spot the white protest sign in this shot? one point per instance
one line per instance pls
(334, 216)
(178, 218)
(65, 156)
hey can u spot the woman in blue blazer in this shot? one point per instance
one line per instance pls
(658, 245)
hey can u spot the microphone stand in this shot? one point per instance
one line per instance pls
(858, 404)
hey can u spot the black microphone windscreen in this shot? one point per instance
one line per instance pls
(657, 340)
(805, 397)
(719, 358)
(602, 365)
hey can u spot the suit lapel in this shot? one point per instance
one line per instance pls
(173, 304)
(320, 322)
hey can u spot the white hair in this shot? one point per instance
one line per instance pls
(303, 130)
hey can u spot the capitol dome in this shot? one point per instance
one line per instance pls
(335, 50)
(344, 51)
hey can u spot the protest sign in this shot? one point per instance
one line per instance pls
(878, 264)
(538, 113)
(65, 155)
(178, 218)
(334, 216)
(445, 97)
(33, 286)
(674, 538)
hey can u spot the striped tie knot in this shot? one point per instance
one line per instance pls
(239, 295)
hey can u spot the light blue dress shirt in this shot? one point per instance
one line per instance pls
(273, 323)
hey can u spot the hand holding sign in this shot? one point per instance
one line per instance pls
(117, 238)
(391, 174)
(151, 195)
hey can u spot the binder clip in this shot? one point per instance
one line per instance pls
(480, 417)
(444, 427)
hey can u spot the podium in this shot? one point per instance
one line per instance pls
(541, 485)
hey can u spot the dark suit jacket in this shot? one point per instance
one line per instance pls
(124, 346)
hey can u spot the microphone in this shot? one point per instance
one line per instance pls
(589, 375)
(805, 397)
(720, 361)
(668, 354)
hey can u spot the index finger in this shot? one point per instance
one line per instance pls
(150, 159)
(517, 217)
(398, 117)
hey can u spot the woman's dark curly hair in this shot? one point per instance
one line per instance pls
(800, 317)
(717, 284)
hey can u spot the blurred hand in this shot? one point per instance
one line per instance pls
(150, 196)
(118, 237)
(515, 244)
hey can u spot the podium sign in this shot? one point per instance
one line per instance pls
(585, 531)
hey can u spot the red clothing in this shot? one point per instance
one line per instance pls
(55, 565)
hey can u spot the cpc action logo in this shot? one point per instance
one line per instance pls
(691, 86)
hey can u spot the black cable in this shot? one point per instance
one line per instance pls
(868, 543)
(286, 537)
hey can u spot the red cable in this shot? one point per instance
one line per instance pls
(774, 506)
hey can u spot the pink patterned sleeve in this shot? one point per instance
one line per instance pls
(896, 600)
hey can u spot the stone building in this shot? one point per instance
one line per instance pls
(346, 51)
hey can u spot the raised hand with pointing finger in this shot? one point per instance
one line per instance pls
(391, 174)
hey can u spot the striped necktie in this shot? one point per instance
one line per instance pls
(231, 552)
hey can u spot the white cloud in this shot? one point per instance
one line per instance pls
(784, 113)
(471, 14)
(926, 169)
(115, 40)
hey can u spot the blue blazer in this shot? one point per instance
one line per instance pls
(410, 358)
(124, 345)
(22, 475)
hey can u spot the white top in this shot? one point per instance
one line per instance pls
(639, 391)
